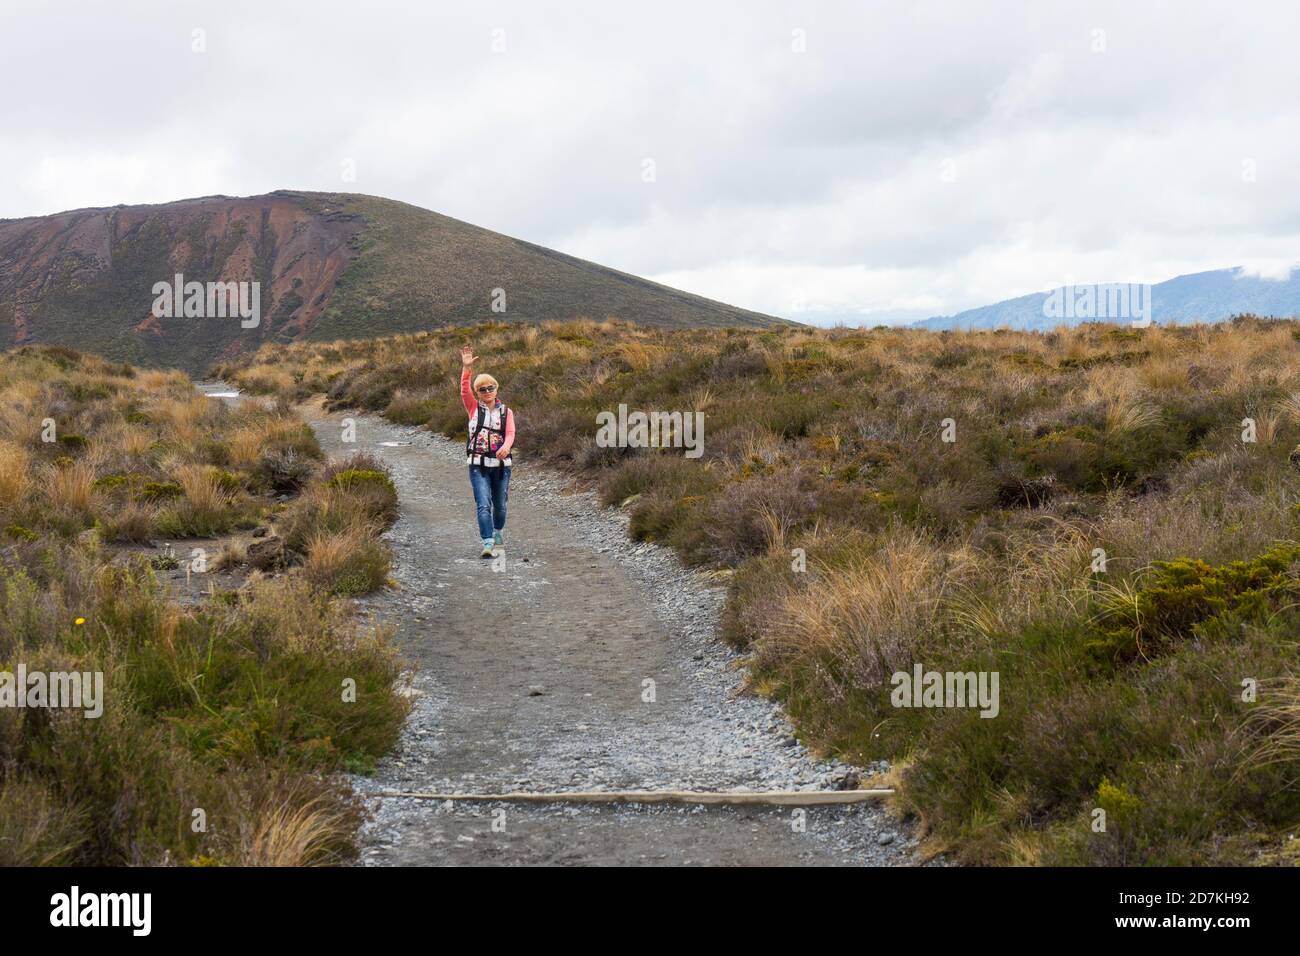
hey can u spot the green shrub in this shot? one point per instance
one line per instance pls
(1179, 596)
(227, 481)
(160, 491)
(1120, 805)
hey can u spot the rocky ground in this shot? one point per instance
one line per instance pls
(579, 661)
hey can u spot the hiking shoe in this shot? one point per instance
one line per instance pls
(487, 548)
(497, 539)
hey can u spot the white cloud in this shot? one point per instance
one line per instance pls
(919, 157)
(1278, 270)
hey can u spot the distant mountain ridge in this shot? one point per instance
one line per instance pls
(328, 265)
(1198, 297)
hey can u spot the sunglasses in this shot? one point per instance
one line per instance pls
(487, 388)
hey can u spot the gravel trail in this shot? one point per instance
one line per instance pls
(584, 661)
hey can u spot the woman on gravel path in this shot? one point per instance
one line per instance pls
(491, 436)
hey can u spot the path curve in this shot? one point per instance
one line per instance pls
(535, 677)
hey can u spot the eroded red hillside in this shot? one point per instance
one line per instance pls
(104, 263)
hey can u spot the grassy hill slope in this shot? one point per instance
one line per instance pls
(418, 269)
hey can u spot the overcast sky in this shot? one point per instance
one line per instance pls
(858, 160)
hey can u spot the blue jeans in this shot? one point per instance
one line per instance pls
(491, 489)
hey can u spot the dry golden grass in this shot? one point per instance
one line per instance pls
(1267, 424)
(70, 490)
(271, 380)
(639, 355)
(246, 445)
(283, 834)
(1276, 723)
(868, 616)
(131, 521)
(249, 441)
(1130, 414)
(1107, 384)
(15, 482)
(596, 380)
(20, 402)
(350, 561)
(184, 421)
(761, 447)
(561, 351)
(202, 489)
(1239, 376)
(135, 442)
(234, 554)
(1290, 407)
(1166, 373)
(1035, 576)
(159, 380)
(775, 526)
(703, 398)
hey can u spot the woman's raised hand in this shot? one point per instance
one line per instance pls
(467, 356)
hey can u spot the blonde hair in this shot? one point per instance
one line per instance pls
(480, 379)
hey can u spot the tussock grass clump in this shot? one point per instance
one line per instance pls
(334, 526)
(131, 523)
(1075, 510)
(15, 483)
(372, 491)
(351, 561)
(69, 495)
(1275, 724)
(296, 833)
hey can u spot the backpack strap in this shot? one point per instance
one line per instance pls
(474, 432)
(481, 426)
